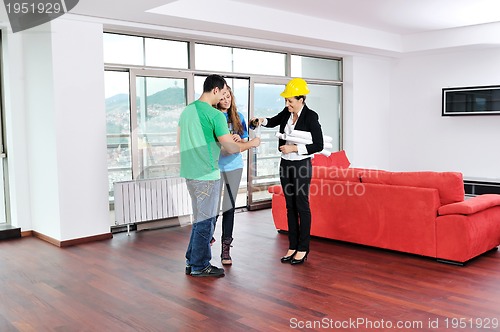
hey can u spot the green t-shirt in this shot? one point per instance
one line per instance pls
(200, 124)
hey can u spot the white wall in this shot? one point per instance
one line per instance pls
(77, 49)
(15, 144)
(392, 113)
(367, 123)
(421, 139)
(56, 111)
(41, 133)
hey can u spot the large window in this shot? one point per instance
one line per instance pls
(118, 127)
(158, 105)
(239, 60)
(166, 53)
(142, 51)
(266, 158)
(150, 80)
(315, 68)
(125, 50)
(241, 91)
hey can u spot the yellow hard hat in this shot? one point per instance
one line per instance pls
(295, 87)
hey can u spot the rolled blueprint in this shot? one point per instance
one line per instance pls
(307, 135)
(301, 140)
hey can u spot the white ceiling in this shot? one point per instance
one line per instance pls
(379, 27)
(394, 16)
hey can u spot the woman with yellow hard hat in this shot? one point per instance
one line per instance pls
(295, 165)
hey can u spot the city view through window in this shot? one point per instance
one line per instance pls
(143, 107)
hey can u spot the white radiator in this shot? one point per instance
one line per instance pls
(151, 199)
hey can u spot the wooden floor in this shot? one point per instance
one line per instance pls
(137, 283)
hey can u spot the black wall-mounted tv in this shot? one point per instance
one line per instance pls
(477, 100)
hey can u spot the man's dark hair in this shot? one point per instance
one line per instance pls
(303, 97)
(214, 81)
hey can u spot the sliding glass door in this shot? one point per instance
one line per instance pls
(143, 105)
(241, 90)
(157, 105)
(264, 161)
(142, 109)
(324, 99)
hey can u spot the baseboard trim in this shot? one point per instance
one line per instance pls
(73, 242)
(26, 233)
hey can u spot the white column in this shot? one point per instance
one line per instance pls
(64, 131)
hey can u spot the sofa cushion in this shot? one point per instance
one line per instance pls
(450, 185)
(337, 159)
(470, 206)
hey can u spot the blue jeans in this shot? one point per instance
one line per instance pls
(204, 199)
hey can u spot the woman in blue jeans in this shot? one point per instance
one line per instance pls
(231, 166)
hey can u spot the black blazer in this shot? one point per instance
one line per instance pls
(308, 121)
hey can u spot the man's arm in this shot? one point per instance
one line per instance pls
(230, 146)
(178, 139)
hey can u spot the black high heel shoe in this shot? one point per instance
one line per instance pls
(299, 261)
(287, 259)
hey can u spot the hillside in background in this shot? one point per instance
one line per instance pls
(164, 107)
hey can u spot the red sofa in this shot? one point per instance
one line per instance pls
(422, 213)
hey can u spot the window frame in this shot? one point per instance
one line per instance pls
(191, 71)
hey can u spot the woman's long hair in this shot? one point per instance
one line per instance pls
(233, 116)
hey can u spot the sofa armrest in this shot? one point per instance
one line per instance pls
(276, 189)
(470, 206)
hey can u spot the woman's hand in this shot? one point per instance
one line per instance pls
(236, 138)
(288, 148)
(258, 121)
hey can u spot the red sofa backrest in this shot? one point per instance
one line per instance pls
(336, 173)
(450, 185)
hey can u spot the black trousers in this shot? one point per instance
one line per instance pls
(295, 177)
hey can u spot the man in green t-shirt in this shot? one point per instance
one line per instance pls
(201, 133)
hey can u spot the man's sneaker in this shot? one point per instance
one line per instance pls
(209, 271)
(188, 269)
